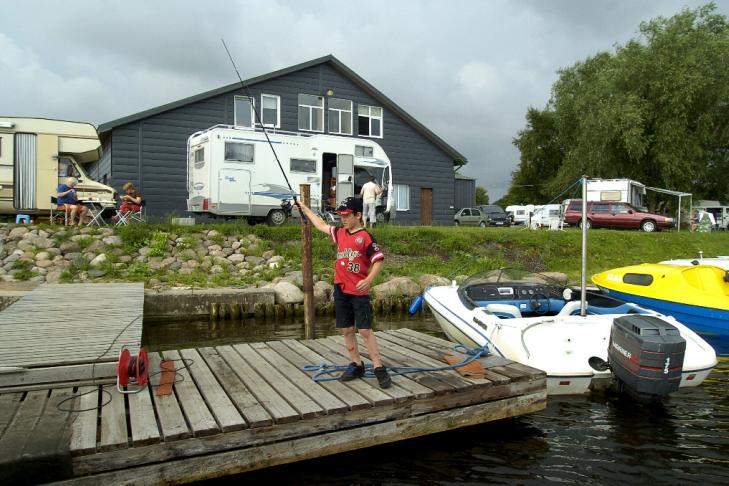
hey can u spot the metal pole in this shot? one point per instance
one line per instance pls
(307, 272)
(678, 223)
(583, 280)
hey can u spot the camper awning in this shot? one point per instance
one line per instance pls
(84, 150)
(668, 191)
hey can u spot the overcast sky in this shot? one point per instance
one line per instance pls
(468, 70)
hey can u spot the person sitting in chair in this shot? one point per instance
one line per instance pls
(131, 201)
(68, 200)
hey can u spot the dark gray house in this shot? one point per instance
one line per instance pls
(319, 96)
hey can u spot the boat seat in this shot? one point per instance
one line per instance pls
(503, 310)
(570, 308)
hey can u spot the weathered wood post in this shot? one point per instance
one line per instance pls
(307, 272)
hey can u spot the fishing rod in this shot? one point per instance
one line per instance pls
(258, 119)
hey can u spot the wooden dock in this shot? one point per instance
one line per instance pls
(68, 332)
(243, 407)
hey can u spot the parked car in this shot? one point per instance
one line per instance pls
(470, 216)
(495, 215)
(608, 214)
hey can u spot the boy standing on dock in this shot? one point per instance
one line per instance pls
(359, 260)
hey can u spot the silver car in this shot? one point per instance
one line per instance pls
(470, 216)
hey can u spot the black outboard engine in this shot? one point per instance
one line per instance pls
(646, 356)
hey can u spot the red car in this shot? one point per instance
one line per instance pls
(619, 215)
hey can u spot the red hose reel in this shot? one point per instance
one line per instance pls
(132, 370)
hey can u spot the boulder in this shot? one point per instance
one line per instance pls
(98, 261)
(18, 232)
(323, 292)
(236, 258)
(288, 293)
(429, 280)
(254, 260)
(396, 287)
(112, 240)
(558, 277)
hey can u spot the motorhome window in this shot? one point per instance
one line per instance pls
(370, 121)
(303, 165)
(311, 113)
(638, 279)
(243, 112)
(363, 151)
(238, 152)
(270, 110)
(610, 196)
(200, 158)
(402, 197)
(67, 169)
(340, 116)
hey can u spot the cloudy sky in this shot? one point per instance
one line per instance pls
(468, 70)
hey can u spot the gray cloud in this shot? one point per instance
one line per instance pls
(467, 69)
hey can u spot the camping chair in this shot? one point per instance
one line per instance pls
(132, 216)
(58, 213)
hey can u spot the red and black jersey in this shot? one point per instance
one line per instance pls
(356, 252)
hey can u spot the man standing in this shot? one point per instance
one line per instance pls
(369, 194)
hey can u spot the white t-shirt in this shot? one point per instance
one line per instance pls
(369, 192)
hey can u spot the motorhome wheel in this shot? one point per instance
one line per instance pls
(276, 217)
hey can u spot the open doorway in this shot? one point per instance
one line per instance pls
(329, 181)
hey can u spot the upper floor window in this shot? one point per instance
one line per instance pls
(340, 116)
(244, 116)
(311, 113)
(363, 151)
(271, 110)
(238, 152)
(370, 121)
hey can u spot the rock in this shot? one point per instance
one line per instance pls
(94, 246)
(235, 245)
(323, 292)
(212, 234)
(429, 280)
(144, 251)
(11, 258)
(95, 272)
(254, 260)
(98, 261)
(396, 287)
(276, 259)
(188, 254)
(17, 233)
(288, 293)
(43, 255)
(557, 277)
(113, 240)
(69, 247)
(53, 277)
(125, 259)
(44, 234)
(268, 254)
(41, 242)
(236, 258)
(295, 277)
(44, 263)
(215, 269)
(213, 248)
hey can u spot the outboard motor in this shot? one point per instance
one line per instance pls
(646, 356)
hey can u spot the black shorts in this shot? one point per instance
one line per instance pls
(352, 310)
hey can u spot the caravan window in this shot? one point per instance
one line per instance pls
(311, 113)
(370, 121)
(340, 116)
(363, 151)
(303, 165)
(243, 112)
(200, 158)
(238, 152)
(67, 169)
(270, 110)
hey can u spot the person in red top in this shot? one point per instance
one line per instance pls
(359, 260)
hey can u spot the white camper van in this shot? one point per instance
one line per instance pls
(232, 171)
(618, 190)
(520, 214)
(36, 155)
(546, 216)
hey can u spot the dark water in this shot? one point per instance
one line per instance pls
(577, 439)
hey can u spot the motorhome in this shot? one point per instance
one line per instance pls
(617, 190)
(718, 210)
(520, 214)
(546, 216)
(235, 172)
(37, 154)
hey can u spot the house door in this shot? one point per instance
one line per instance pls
(426, 206)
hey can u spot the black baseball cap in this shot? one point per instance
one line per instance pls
(350, 205)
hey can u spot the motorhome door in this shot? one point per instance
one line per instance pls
(234, 192)
(345, 177)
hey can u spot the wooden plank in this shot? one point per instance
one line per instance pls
(58, 374)
(252, 411)
(215, 396)
(193, 405)
(171, 421)
(49, 441)
(83, 430)
(141, 418)
(275, 404)
(9, 403)
(328, 402)
(299, 400)
(300, 355)
(20, 429)
(242, 460)
(113, 431)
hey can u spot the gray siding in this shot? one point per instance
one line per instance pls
(151, 152)
(465, 193)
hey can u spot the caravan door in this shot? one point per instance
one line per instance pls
(234, 191)
(345, 177)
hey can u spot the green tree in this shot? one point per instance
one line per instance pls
(482, 196)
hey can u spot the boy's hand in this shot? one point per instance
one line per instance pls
(363, 284)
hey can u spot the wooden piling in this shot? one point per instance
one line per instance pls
(307, 271)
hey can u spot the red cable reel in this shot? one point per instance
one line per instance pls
(132, 370)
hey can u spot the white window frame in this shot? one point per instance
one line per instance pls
(370, 117)
(340, 113)
(364, 148)
(235, 112)
(278, 109)
(396, 189)
(311, 111)
(236, 161)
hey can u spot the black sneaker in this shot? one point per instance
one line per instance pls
(382, 377)
(352, 372)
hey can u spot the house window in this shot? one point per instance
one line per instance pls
(303, 165)
(340, 116)
(238, 152)
(370, 121)
(244, 112)
(363, 151)
(311, 113)
(402, 197)
(271, 110)
(200, 158)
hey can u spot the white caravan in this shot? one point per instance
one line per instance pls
(546, 216)
(232, 172)
(618, 190)
(520, 214)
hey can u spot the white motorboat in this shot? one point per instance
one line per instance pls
(529, 319)
(721, 261)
